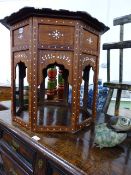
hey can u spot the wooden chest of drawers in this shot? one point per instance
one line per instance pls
(21, 155)
(11, 166)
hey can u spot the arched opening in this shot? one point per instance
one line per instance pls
(54, 104)
(21, 96)
(86, 94)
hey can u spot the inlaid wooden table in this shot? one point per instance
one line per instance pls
(58, 153)
(42, 42)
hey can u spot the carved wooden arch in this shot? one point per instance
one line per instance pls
(89, 63)
(28, 71)
(54, 62)
(91, 66)
(44, 62)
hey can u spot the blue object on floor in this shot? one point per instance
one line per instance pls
(101, 98)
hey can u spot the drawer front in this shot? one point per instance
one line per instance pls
(51, 35)
(20, 147)
(10, 166)
(89, 43)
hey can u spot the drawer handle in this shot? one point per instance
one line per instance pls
(15, 145)
(12, 172)
(40, 163)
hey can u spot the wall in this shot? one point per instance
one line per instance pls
(103, 10)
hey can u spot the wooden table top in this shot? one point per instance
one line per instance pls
(77, 151)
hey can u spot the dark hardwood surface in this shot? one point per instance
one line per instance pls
(76, 153)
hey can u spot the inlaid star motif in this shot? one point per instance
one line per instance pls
(90, 41)
(56, 34)
(20, 36)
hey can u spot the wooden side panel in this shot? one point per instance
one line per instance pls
(89, 43)
(56, 35)
(21, 36)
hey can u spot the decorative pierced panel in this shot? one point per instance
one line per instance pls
(59, 57)
(23, 56)
(88, 60)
